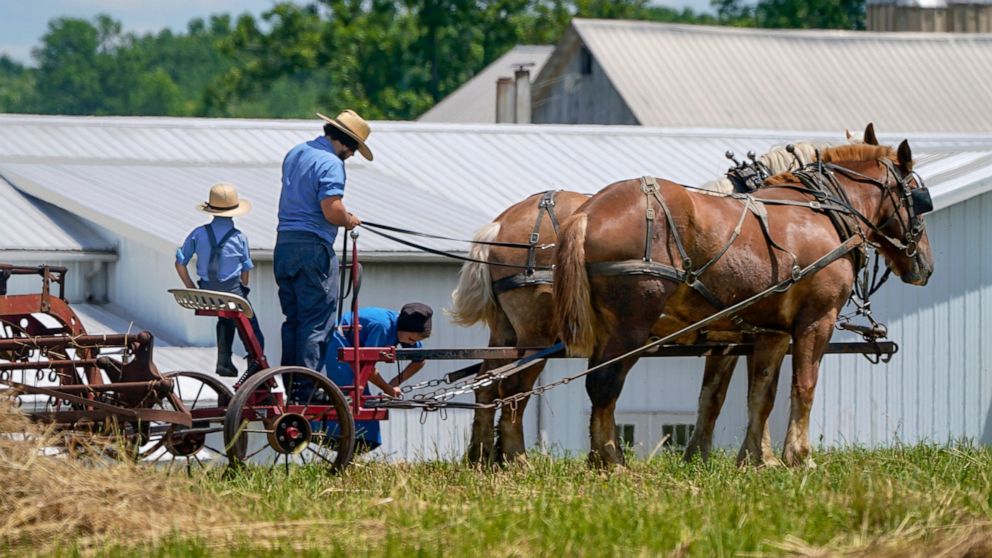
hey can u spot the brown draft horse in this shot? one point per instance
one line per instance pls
(515, 305)
(623, 258)
(518, 311)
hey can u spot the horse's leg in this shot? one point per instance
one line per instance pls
(603, 387)
(809, 343)
(529, 310)
(480, 447)
(762, 383)
(716, 379)
(511, 444)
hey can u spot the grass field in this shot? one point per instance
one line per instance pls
(912, 501)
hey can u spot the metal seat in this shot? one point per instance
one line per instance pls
(200, 299)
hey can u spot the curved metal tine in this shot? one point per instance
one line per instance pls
(317, 453)
(215, 450)
(256, 452)
(275, 461)
(287, 464)
(198, 462)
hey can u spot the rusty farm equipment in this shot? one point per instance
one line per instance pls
(90, 388)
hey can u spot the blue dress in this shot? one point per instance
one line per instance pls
(378, 330)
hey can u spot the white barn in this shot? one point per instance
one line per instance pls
(112, 197)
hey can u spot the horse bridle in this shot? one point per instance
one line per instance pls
(917, 202)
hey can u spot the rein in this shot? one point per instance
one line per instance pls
(532, 274)
(430, 250)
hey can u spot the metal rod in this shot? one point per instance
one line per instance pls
(701, 350)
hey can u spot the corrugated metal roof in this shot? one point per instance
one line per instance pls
(157, 203)
(31, 225)
(142, 177)
(691, 75)
(475, 100)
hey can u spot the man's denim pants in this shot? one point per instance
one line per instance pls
(306, 272)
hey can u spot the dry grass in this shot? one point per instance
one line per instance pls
(46, 501)
(959, 541)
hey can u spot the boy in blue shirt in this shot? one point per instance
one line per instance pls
(223, 263)
(380, 327)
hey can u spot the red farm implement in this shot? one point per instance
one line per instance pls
(97, 387)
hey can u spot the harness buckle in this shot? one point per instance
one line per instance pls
(650, 214)
(797, 273)
(815, 204)
(534, 237)
(648, 184)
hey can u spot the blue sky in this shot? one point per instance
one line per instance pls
(23, 22)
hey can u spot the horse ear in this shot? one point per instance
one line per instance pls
(870, 137)
(847, 134)
(905, 155)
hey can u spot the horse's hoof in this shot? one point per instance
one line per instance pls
(771, 461)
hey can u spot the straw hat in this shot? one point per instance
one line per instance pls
(224, 201)
(355, 126)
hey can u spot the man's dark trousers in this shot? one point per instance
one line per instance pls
(306, 270)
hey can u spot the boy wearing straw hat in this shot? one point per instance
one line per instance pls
(310, 211)
(223, 263)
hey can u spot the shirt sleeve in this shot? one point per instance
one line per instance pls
(246, 263)
(330, 180)
(376, 336)
(185, 252)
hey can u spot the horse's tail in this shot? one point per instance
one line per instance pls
(575, 318)
(473, 300)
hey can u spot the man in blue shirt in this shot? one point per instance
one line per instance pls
(310, 211)
(380, 327)
(223, 263)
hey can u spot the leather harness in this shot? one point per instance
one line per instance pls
(532, 275)
(847, 228)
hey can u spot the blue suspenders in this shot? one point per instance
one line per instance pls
(216, 251)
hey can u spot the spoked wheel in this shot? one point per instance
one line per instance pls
(173, 446)
(307, 422)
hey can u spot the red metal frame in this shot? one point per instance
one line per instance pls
(362, 359)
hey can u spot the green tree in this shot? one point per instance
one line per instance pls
(811, 14)
(16, 86)
(792, 14)
(391, 59)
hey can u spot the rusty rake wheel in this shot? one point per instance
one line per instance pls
(283, 416)
(172, 446)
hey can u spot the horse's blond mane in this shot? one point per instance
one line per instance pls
(778, 160)
(846, 152)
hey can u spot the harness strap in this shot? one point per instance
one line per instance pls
(523, 279)
(634, 267)
(648, 185)
(650, 188)
(545, 205)
(216, 251)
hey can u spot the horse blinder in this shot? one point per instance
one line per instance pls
(921, 201)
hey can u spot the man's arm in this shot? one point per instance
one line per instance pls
(386, 387)
(407, 373)
(184, 275)
(336, 214)
(245, 276)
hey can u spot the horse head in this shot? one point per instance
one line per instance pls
(902, 235)
(895, 224)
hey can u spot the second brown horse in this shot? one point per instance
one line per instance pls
(608, 303)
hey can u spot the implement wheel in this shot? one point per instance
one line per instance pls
(207, 399)
(289, 415)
